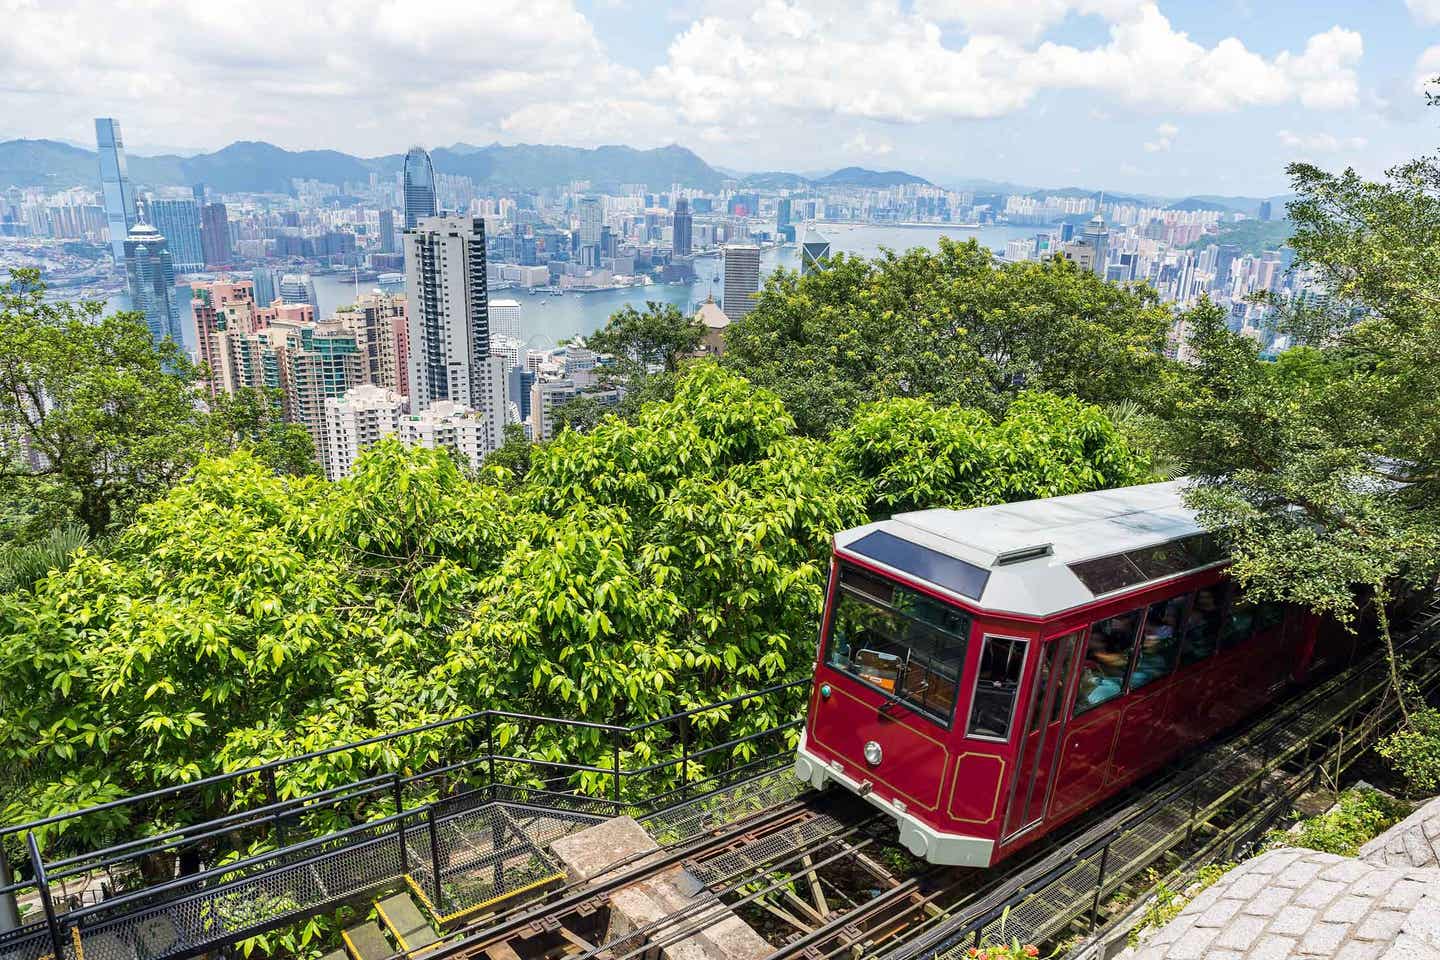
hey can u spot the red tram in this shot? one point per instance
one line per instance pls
(986, 675)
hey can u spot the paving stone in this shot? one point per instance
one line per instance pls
(1382, 925)
(1319, 893)
(1219, 914)
(1292, 921)
(1407, 947)
(1272, 947)
(1348, 909)
(1346, 871)
(1324, 939)
(1413, 842)
(1355, 950)
(1424, 919)
(1404, 895)
(1299, 873)
(1241, 933)
(1193, 945)
(1247, 886)
(1269, 901)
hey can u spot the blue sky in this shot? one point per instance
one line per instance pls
(1162, 96)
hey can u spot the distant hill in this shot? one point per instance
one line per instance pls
(860, 177)
(251, 166)
(1253, 237)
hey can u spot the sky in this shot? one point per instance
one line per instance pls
(1169, 97)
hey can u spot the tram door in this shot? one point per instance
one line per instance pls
(1044, 733)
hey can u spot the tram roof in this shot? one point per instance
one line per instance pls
(1042, 557)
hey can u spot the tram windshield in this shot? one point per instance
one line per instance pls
(899, 641)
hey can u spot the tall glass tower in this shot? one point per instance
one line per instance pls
(120, 211)
(419, 187)
(151, 276)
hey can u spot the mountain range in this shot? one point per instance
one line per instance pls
(252, 166)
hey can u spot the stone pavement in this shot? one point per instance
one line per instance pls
(1301, 903)
(1413, 842)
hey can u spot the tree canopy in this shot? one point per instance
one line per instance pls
(950, 325)
(638, 569)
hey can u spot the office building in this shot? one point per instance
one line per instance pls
(179, 222)
(121, 212)
(215, 234)
(355, 421)
(681, 239)
(742, 279)
(151, 279)
(1265, 211)
(266, 285)
(419, 187)
(387, 230)
(1099, 239)
(814, 251)
(298, 288)
(782, 214)
(449, 320)
(505, 319)
(591, 214)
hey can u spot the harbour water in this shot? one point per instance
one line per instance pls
(549, 318)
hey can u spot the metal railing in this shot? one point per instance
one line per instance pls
(427, 806)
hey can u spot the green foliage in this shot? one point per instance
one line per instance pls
(637, 570)
(1414, 751)
(652, 341)
(1167, 902)
(912, 455)
(251, 418)
(1359, 815)
(513, 455)
(107, 417)
(23, 564)
(949, 325)
(579, 413)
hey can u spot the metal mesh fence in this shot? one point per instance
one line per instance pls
(686, 820)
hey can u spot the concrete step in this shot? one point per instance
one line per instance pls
(366, 941)
(406, 922)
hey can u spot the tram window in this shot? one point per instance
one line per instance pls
(1202, 624)
(1002, 661)
(1239, 623)
(1107, 656)
(911, 647)
(1159, 641)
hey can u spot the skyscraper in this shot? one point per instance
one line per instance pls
(782, 213)
(387, 230)
(151, 278)
(814, 251)
(1099, 240)
(179, 222)
(215, 234)
(419, 187)
(449, 321)
(298, 288)
(120, 211)
(1264, 209)
(265, 286)
(742, 279)
(683, 225)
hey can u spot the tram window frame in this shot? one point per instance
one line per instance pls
(1177, 637)
(1083, 705)
(879, 594)
(1011, 685)
(1222, 591)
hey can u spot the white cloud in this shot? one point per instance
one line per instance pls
(1320, 142)
(1165, 135)
(861, 144)
(1427, 68)
(1021, 19)
(1424, 11)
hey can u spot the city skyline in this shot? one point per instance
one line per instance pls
(1174, 97)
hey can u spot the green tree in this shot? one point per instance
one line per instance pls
(1322, 470)
(513, 455)
(950, 325)
(251, 418)
(96, 418)
(654, 340)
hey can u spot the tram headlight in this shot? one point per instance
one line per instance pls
(873, 754)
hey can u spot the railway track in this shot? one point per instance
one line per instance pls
(824, 878)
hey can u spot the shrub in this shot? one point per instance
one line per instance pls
(1414, 751)
(1358, 816)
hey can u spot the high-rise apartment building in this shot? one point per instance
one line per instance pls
(419, 187)
(321, 361)
(742, 279)
(151, 279)
(449, 320)
(591, 214)
(179, 222)
(213, 304)
(505, 319)
(448, 426)
(120, 210)
(355, 421)
(215, 234)
(681, 241)
(379, 323)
